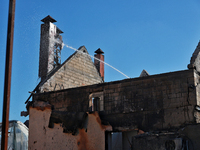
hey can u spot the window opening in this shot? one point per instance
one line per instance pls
(96, 102)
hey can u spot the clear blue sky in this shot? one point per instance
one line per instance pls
(134, 34)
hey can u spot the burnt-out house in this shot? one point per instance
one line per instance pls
(73, 108)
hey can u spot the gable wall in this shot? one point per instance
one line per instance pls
(77, 71)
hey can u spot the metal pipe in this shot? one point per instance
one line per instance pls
(7, 78)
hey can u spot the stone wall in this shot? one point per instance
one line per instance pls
(78, 70)
(197, 87)
(156, 102)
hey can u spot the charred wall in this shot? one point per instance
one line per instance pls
(158, 102)
(41, 136)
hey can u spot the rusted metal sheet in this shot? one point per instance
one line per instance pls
(8, 69)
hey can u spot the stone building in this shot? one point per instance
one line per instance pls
(72, 108)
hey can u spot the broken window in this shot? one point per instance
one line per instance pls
(96, 101)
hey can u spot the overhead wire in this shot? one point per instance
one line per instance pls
(96, 59)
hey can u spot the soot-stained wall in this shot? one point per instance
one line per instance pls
(157, 102)
(41, 137)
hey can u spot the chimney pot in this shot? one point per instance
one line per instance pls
(99, 51)
(48, 19)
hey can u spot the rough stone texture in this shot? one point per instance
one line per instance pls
(45, 138)
(195, 59)
(78, 70)
(156, 102)
(44, 46)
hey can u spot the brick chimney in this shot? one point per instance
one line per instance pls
(99, 65)
(50, 47)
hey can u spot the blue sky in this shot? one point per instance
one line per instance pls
(153, 35)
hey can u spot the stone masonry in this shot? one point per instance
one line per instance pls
(157, 102)
(77, 70)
